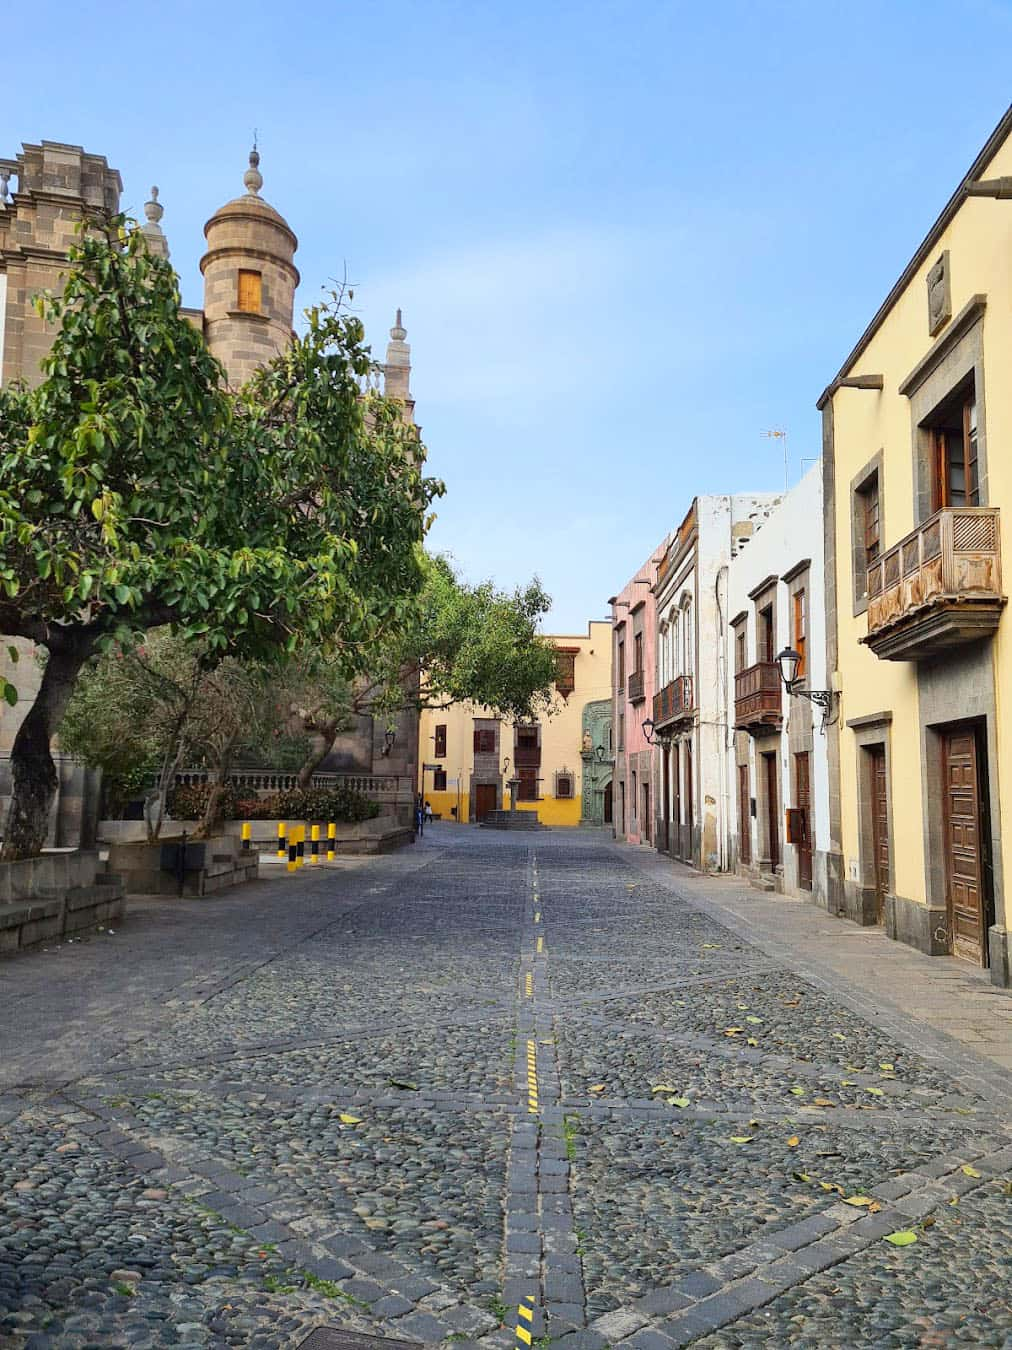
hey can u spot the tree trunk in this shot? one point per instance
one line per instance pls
(219, 781)
(322, 744)
(32, 768)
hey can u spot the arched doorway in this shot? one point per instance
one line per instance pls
(607, 803)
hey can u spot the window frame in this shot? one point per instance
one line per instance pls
(439, 737)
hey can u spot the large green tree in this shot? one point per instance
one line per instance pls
(137, 490)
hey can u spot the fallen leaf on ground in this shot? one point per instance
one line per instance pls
(733, 1031)
(875, 1092)
(928, 1223)
(859, 1201)
(598, 1087)
(756, 1021)
(751, 1041)
(903, 1238)
(710, 946)
(742, 1007)
(887, 1067)
(847, 1082)
(664, 1087)
(793, 1142)
(839, 1036)
(969, 1171)
(824, 1101)
(678, 1101)
(798, 1091)
(741, 1139)
(801, 1176)
(345, 1119)
(403, 1083)
(832, 1186)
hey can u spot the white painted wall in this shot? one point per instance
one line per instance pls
(793, 531)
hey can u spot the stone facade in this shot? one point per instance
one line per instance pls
(598, 763)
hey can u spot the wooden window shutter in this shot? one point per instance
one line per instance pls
(440, 750)
(250, 292)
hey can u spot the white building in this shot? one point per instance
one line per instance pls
(777, 756)
(692, 795)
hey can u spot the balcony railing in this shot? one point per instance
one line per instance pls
(674, 702)
(378, 787)
(938, 587)
(635, 687)
(757, 696)
(528, 757)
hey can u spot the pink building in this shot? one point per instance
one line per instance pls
(633, 618)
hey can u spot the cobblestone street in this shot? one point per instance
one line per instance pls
(403, 1095)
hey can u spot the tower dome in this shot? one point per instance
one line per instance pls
(249, 280)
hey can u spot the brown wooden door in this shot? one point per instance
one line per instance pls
(963, 862)
(664, 840)
(484, 799)
(772, 810)
(879, 827)
(646, 822)
(803, 801)
(744, 815)
(689, 819)
(608, 804)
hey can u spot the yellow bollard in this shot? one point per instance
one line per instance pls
(293, 851)
(331, 840)
(301, 846)
(314, 847)
(282, 844)
(246, 831)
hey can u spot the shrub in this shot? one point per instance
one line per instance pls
(255, 808)
(188, 801)
(325, 804)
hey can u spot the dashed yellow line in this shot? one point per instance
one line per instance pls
(541, 945)
(525, 1318)
(529, 985)
(537, 916)
(532, 1078)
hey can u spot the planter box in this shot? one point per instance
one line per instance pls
(210, 865)
(58, 894)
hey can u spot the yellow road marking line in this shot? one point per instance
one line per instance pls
(541, 944)
(529, 984)
(537, 916)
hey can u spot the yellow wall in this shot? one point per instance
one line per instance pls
(561, 737)
(979, 240)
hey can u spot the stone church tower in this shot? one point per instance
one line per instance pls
(249, 280)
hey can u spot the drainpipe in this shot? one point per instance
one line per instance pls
(723, 844)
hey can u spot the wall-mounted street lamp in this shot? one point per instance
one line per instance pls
(389, 738)
(600, 752)
(788, 660)
(648, 731)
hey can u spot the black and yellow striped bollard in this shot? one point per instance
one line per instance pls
(314, 847)
(282, 842)
(246, 833)
(293, 850)
(331, 840)
(301, 846)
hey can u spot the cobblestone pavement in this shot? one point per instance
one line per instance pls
(405, 1097)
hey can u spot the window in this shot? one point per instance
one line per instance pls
(766, 634)
(633, 803)
(439, 780)
(740, 651)
(621, 666)
(638, 654)
(870, 526)
(955, 480)
(527, 790)
(563, 785)
(484, 741)
(440, 750)
(250, 293)
(621, 731)
(565, 672)
(800, 632)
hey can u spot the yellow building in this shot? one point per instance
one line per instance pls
(918, 494)
(468, 755)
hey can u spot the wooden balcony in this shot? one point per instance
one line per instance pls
(757, 697)
(674, 703)
(527, 757)
(635, 687)
(940, 586)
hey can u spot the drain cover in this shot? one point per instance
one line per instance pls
(329, 1338)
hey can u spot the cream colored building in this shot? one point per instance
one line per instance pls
(918, 500)
(467, 755)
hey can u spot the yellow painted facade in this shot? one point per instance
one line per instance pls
(560, 734)
(908, 705)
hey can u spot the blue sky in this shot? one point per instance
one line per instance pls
(627, 238)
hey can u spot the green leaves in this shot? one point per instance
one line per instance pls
(904, 1237)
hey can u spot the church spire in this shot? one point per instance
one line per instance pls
(152, 229)
(397, 369)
